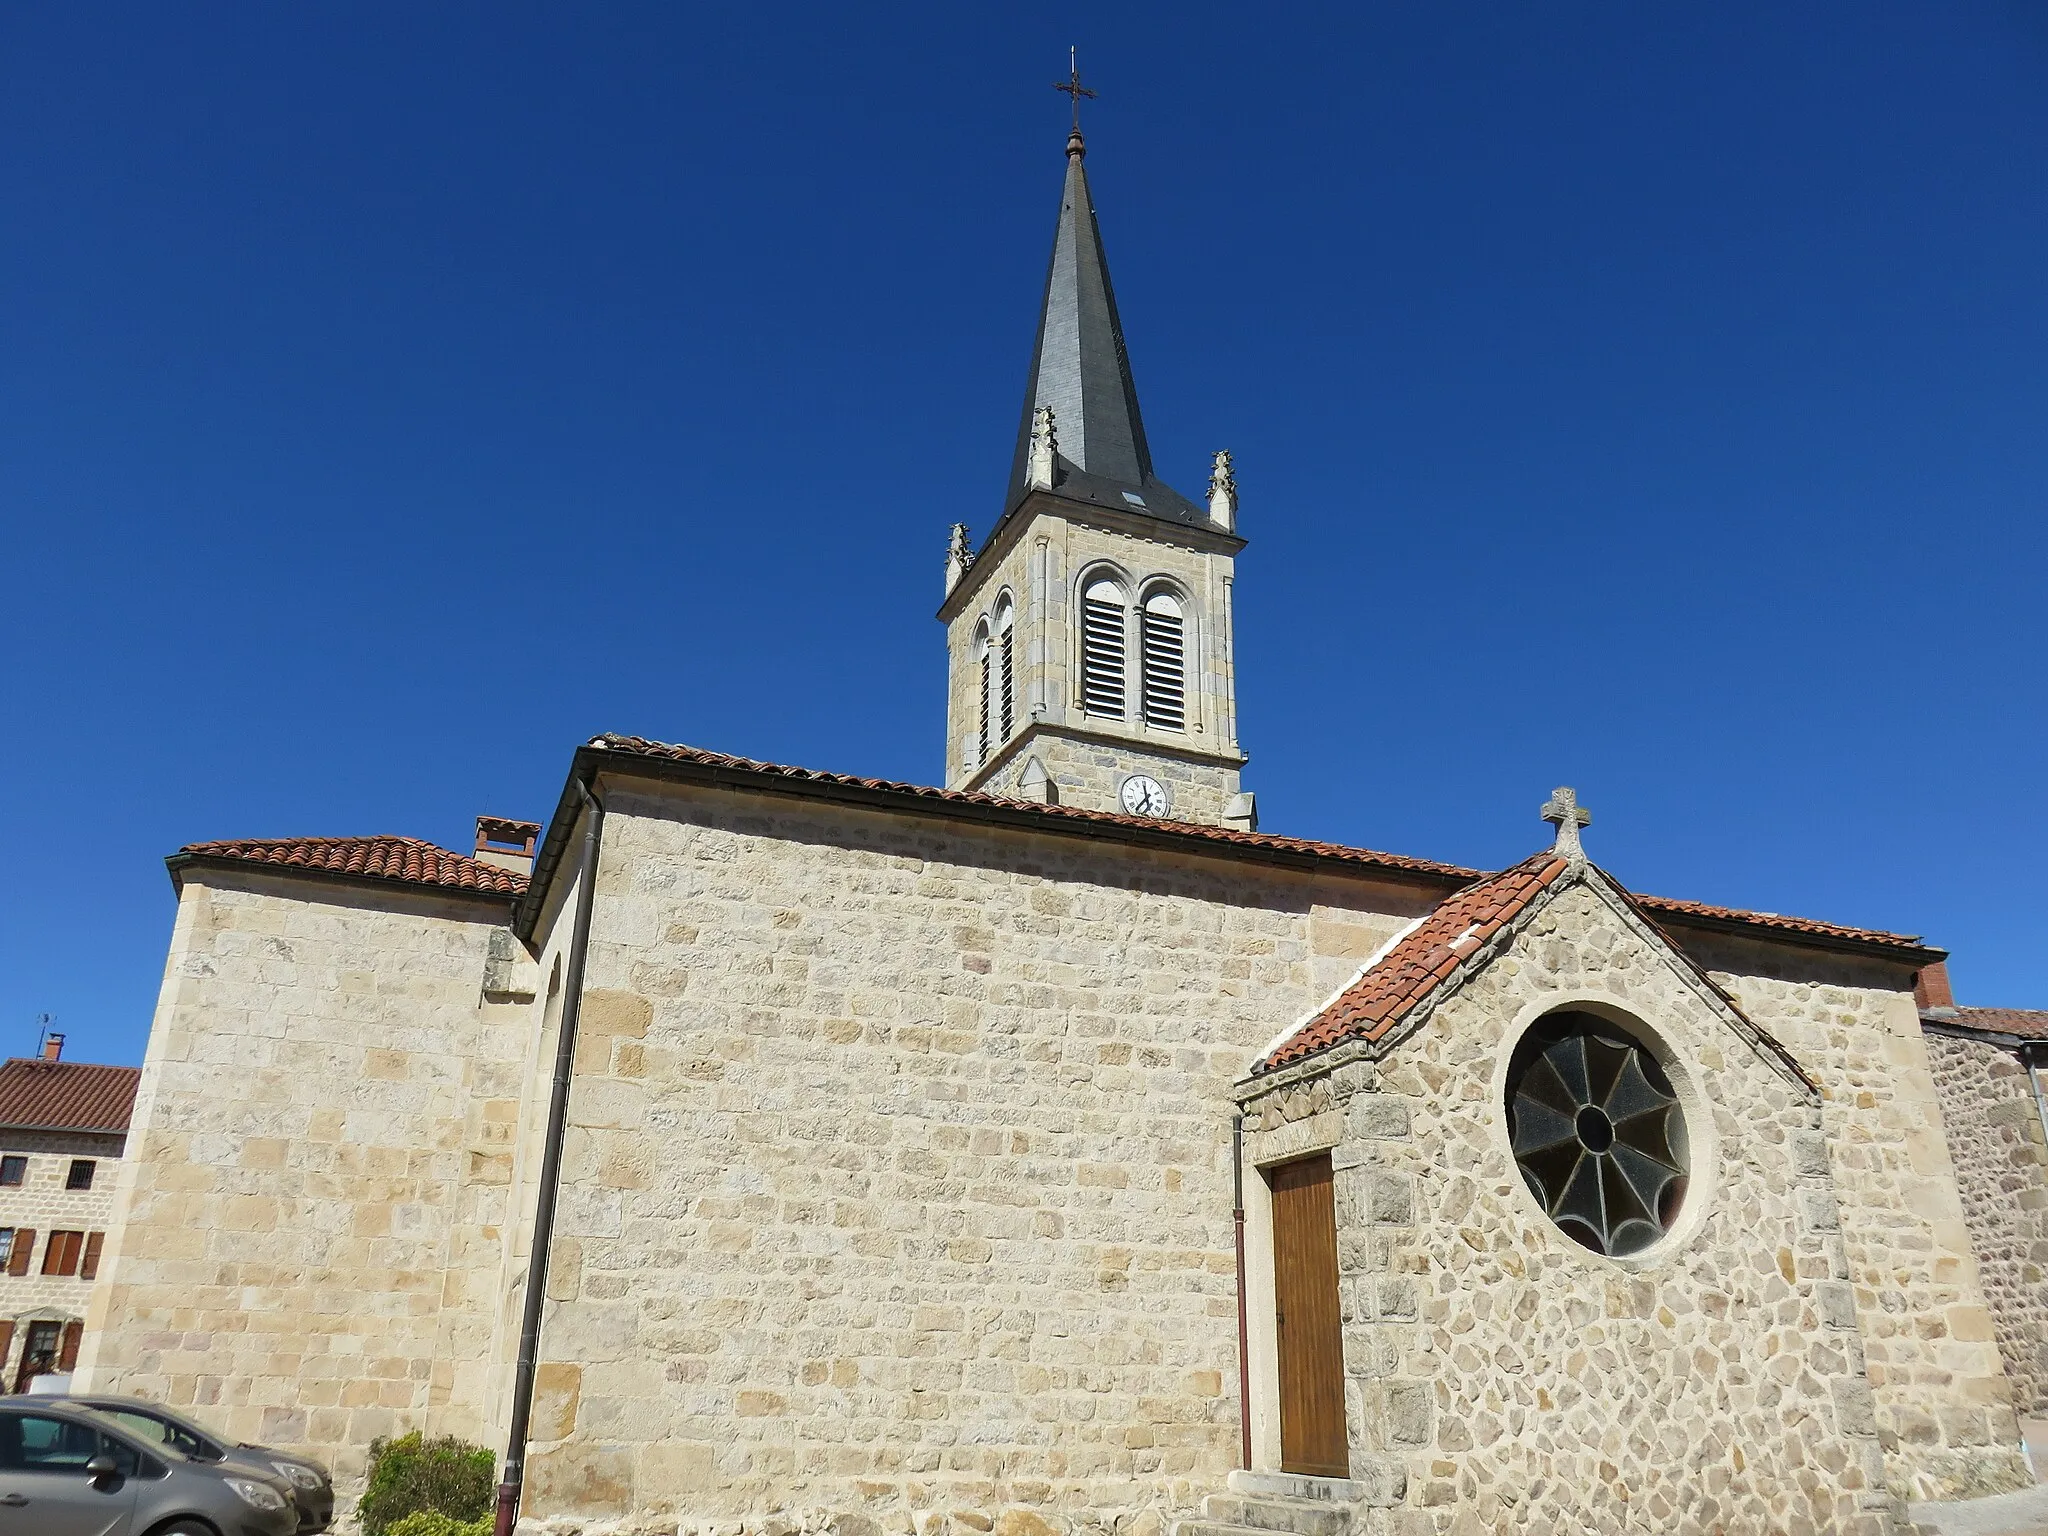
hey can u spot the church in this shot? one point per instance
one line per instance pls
(1051, 1151)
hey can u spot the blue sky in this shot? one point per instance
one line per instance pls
(1650, 399)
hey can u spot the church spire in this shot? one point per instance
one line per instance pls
(1081, 372)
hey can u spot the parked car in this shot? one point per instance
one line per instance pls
(154, 1423)
(67, 1470)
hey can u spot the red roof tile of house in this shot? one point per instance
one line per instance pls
(66, 1095)
(1420, 961)
(2022, 1023)
(406, 860)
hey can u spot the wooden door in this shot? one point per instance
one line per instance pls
(1311, 1332)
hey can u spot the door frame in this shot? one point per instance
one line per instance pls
(1263, 1153)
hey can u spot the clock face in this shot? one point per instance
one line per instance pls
(1143, 796)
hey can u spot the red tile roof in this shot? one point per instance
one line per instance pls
(1193, 831)
(403, 860)
(66, 1095)
(1064, 813)
(2022, 1023)
(1807, 925)
(1420, 961)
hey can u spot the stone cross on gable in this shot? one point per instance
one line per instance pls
(1563, 811)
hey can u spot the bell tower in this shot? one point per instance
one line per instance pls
(1089, 636)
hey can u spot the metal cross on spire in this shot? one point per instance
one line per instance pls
(1073, 87)
(1563, 811)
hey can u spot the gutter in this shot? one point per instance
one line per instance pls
(513, 1478)
(178, 863)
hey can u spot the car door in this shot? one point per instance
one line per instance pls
(44, 1487)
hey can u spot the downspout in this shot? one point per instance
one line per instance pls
(550, 1172)
(1244, 1349)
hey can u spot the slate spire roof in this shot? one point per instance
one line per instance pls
(1081, 368)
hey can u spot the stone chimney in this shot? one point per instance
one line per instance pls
(53, 1046)
(506, 844)
(1931, 989)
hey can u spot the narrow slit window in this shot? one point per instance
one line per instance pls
(1164, 640)
(1102, 650)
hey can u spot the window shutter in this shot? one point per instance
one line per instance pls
(985, 681)
(1009, 684)
(1102, 651)
(1162, 652)
(67, 1353)
(6, 1340)
(24, 1246)
(60, 1254)
(90, 1269)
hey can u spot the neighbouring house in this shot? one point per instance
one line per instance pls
(1988, 1067)
(63, 1126)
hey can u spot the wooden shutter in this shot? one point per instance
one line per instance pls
(6, 1341)
(60, 1254)
(24, 1246)
(91, 1267)
(67, 1353)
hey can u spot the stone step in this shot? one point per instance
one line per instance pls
(1263, 1512)
(1213, 1528)
(1295, 1485)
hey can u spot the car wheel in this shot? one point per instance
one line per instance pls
(185, 1528)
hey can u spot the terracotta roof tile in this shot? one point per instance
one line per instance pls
(66, 1095)
(2022, 1023)
(1783, 924)
(403, 860)
(1419, 962)
(1068, 813)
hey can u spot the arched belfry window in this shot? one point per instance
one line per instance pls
(984, 679)
(1163, 663)
(1104, 619)
(1006, 667)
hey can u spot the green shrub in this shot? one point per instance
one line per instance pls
(413, 1476)
(431, 1522)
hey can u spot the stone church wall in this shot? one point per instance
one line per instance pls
(1945, 1410)
(307, 1253)
(898, 1182)
(1501, 1376)
(1994, 1138)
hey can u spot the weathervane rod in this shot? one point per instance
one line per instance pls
(1072, 84)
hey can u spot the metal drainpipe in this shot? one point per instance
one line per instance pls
(1244, 1349)
(550, 1174)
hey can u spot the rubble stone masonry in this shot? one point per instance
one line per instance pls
(1502, 1377)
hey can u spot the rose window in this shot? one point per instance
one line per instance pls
(1597, 1132)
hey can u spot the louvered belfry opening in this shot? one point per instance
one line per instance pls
(1102, 650)
(1006, 668)
(981, 651)
(1163, 678)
